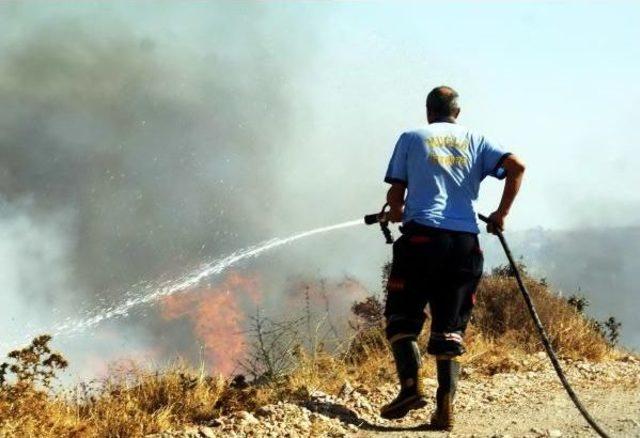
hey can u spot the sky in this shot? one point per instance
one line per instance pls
(554, 82)
(138, 139)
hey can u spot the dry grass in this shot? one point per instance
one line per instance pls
(136, 401)
(501, 316)
(131, 402)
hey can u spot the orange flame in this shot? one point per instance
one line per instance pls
(217, 315)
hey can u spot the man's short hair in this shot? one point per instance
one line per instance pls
(442, 102)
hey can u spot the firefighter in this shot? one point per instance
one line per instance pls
(438, 260)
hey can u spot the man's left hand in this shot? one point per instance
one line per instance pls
(496, 222)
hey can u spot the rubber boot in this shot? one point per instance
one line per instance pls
(407, 358)
(448, 370)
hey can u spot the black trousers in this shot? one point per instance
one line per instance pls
(438, 267)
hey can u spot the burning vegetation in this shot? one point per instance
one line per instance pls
(217, 316)
(262, 360)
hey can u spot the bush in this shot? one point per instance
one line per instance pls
(131, 402)
(507, 270)
(501, 313)
(32, 367)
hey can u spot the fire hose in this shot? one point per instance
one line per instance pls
(543, 334)
(382, 219)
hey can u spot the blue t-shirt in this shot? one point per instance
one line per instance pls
(443, 165)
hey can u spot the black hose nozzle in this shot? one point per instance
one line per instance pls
(371, 219)
(380, 218)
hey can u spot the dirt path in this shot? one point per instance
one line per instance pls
(523, 404)
(539, 409)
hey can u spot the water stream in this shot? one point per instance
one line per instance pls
(150, 293)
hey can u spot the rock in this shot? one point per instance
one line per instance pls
(216, 422)
(264, 411)
(466, 372)
(554, 433)
(191, 431)
(205, 432)
(346, 389)
(363, 390)
(247, 418)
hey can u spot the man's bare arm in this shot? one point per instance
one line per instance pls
(514, 168)
(395, 199)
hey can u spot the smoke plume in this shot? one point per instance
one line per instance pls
(124, 157)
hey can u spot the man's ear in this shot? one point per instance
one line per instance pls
(457, 113)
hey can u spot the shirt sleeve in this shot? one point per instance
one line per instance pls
(492, 156)
(397, 170)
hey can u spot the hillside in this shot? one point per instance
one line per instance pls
(517, 404)
(325, 389)
(600, 263)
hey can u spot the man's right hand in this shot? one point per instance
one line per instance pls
(395, 199)
(496, 222)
